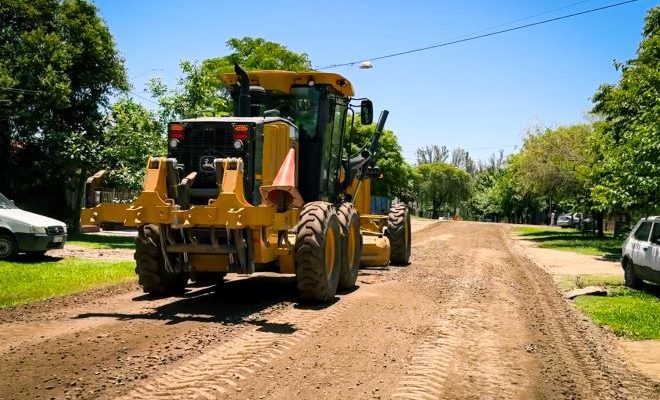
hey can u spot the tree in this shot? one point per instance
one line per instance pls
(553, 164)
(201, 90)
(397, 173)
(132, 134)
(432, 154)
(58, 67)
(461, 158)
(626, 174)
(441, 186)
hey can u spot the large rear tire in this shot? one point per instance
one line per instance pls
(398, 232)
(351, 245)
(150, 265)
(317, 252)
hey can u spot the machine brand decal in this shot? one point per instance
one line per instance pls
(206, 164)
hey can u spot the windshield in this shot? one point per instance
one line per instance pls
(5, 203)
(301, 105)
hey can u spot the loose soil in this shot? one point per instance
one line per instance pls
(470, 317)
(643, 355)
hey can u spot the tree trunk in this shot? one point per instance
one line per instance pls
(5, 143)
(599, 224)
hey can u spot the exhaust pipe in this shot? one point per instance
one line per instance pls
(244, 96)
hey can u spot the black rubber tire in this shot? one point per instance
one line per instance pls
(629, 277)
(150, 265)
(398, 232)
(8, 246)
(349, 224)
(318, 221)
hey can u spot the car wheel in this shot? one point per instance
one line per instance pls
(629, 275)
(8, 247)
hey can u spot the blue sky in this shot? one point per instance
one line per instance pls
(480, 95)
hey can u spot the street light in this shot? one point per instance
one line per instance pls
(366, 65)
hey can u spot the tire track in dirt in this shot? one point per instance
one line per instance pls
(430, 364)
(468, 351)
(220, 369)
(591, 365)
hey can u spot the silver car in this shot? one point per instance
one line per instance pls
(641, 253)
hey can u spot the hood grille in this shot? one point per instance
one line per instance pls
(55, 230)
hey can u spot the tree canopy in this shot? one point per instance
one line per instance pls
(201, 90)
(627, 145)
(58, 67)
(441, 187)
(132, 134)
(397, 174)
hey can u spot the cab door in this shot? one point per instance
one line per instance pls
(641, 244)
(652, 252)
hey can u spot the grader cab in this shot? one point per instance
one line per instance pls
(269, 189)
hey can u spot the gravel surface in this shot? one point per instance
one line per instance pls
(470, 317)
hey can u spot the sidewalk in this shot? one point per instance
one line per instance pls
(560, 263)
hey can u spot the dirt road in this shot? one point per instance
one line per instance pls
(469, 318)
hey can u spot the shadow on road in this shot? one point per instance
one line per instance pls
(34, 259)
(650, 288)
(231, 302)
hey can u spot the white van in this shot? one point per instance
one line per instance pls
(25, 232)
(641, 253)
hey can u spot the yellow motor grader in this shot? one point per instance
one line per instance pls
(269, 189)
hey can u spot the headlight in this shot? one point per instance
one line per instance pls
(64, 228)
(38, 230)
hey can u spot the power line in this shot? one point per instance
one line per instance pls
(502, 147)
(471, 38)
(144, 98)
(522, 19)
(146, 72)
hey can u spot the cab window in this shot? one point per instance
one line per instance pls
(643, 232)
(655, 235)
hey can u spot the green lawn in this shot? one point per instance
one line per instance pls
(25, 281)
(101, 241)
(630, 313)
(572, 240)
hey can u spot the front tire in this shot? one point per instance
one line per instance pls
(629, 277)
(317, 252)
(351, 245)
(8, 246)
(150, 265)
(398, 232)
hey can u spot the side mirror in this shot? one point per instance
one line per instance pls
(366, 112)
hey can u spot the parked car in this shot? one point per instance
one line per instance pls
(641, 253)
(565, 221)
(573, 220)
(25, 232)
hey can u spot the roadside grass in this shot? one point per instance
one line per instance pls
(28, 281)
(572, 240)
(101, 241)
(629, 313)
(581, 281)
